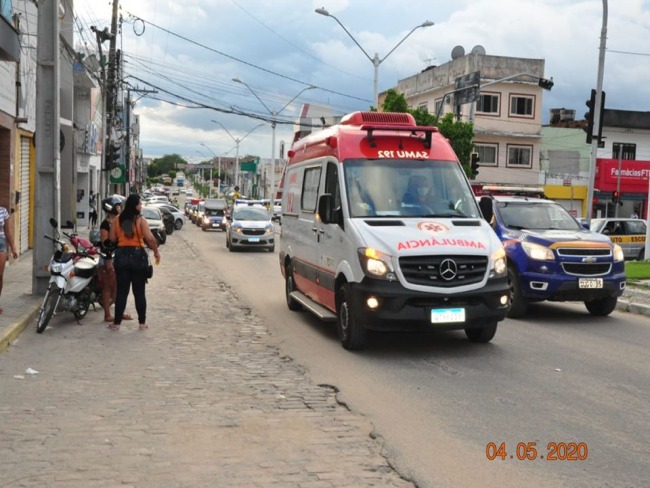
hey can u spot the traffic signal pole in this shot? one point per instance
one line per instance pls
(597, 110)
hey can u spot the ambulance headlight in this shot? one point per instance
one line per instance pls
(500, 267)
(618, 253)
(376, 264)
(536, 251)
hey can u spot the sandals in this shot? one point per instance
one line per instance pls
(125, 316)
(143, 326)
(114, 327)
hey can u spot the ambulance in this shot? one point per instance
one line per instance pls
(381, 231)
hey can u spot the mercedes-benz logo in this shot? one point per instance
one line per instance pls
(448, 269)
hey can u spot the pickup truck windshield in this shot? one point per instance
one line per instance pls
(407, 188)
(539, 216)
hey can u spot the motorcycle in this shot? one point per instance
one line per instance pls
(74, 279)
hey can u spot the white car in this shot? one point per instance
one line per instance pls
(250, 227)
(154, 218)
(179, 217)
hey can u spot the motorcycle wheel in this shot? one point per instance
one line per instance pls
(83, 303)
(47, 309)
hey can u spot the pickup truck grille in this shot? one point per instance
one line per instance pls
(432, 270)
(581, 252)
(587, 269)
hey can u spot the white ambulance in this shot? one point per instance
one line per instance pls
(381, 231)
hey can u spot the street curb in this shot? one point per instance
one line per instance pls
(637, 308)
(10, 333)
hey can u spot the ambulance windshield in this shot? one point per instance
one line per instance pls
(407, 188)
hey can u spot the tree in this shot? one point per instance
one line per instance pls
(460, 134)
(165, 165)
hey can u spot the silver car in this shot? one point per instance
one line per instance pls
(627, 233)
(250, 227)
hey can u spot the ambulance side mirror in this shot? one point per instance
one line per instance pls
(325, 204)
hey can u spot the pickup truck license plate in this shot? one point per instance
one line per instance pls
(447, 315)
(590, 282)
(253, 239)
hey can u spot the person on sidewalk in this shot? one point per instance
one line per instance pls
(111, 207)
(130, 231)
(6, 243)
(93, 210)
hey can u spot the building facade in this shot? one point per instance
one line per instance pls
(506, 110)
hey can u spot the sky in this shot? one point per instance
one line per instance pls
(190, 51)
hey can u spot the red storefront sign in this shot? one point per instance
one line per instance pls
(634, 175)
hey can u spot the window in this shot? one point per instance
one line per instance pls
(520, 156)
(623, 151)
(423, 105)
(440, 106)
(521, 105)
(488, 104)
(487, 153)
(310, 189)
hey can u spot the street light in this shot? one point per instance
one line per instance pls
(237, 141)
(375, 61)
(218, 158)
(274, 113)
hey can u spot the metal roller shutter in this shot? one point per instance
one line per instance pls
(24, 194)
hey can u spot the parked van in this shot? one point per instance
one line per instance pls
(380, 230)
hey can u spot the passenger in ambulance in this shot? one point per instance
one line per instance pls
(361, 204)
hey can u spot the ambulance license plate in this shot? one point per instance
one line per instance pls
(253, 239)
(590, 282)
(447, 315)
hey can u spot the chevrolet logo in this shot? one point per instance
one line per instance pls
(590, 259)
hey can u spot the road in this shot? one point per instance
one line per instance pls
(437, 400)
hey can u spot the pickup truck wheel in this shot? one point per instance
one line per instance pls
(484, 334)
(518, 303)
(290, 286)
(351, 333)
(602, 307)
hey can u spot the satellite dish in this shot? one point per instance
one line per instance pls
(478, 50)
(457, 52)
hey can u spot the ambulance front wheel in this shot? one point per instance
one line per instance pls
(351, 333)
(484, 334)
(290, 286)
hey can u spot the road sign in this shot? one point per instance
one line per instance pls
(467, 88)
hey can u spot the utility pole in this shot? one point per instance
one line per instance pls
(48, 157)
(129, 105)
(111, 94)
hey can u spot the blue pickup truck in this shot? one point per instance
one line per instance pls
(552, 257)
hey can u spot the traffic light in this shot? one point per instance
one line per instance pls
(615, 197)
(545, 83)
(474, 165)
(591, 103)
(113, 155)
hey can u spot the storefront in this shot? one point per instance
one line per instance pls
(630, 178)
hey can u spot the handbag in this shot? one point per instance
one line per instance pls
(149, 268)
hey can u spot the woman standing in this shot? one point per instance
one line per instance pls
(6, 243)
(130, 231)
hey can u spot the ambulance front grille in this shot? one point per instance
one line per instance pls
(443, 271)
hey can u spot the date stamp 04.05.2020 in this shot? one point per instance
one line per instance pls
(529, 451)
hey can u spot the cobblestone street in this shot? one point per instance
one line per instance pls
(199, 399)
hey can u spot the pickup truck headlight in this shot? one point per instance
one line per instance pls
(537, 251)
(500, 267)
(376, 264)
(618, 253)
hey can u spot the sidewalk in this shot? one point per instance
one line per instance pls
(20, 306)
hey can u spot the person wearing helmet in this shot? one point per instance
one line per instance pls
(112, 207)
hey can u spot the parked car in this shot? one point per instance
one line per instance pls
(156, 224)
(179, 217)
(552, 257)
(627, 233)
(250, 227)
